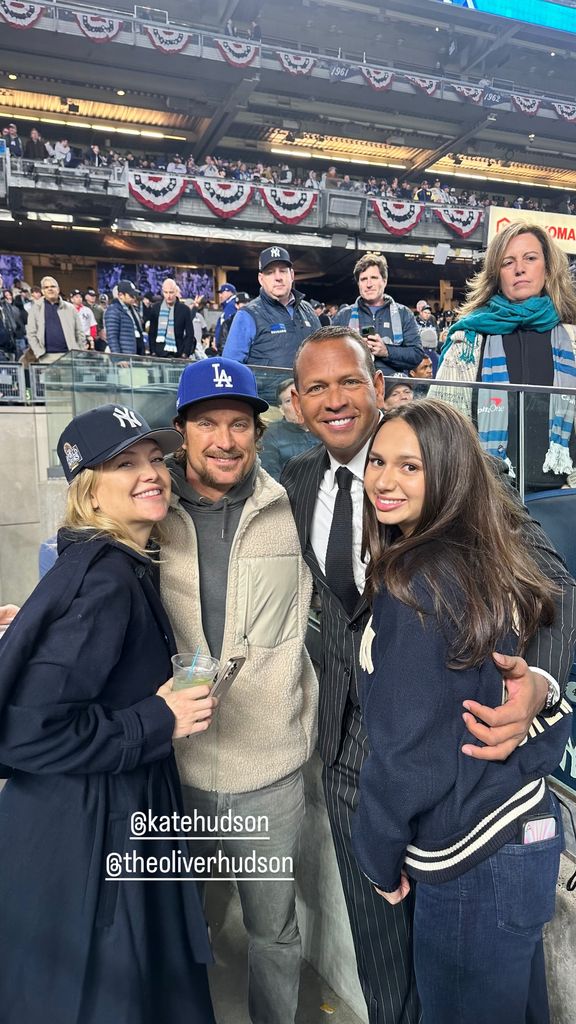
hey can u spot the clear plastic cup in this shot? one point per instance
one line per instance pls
(190, 669)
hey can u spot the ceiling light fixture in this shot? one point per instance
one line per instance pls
(13, 77)
(120, 92)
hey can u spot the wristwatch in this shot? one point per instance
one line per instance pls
(553, 693)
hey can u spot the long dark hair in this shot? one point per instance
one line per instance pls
(467, 545)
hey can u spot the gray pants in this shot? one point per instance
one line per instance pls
(268, 903)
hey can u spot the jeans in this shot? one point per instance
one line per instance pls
(268, 905)
(478, 948)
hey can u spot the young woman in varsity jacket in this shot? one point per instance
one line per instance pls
(451, 582)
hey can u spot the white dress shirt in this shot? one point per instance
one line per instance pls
(324, 511)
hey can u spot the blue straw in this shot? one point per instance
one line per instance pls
(193, 665)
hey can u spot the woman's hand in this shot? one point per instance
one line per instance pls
(7, 613)
(399, 894)
(192, 708)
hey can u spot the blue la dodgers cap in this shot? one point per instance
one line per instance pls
(218, 378)
(98, 435)
(227, 287)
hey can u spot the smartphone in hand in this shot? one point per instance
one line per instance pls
(226, 677)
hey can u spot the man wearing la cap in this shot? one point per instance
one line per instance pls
(123, 327)
(229, 301)
(268, 331)
(234, 582)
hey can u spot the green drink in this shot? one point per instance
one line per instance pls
(193, 670)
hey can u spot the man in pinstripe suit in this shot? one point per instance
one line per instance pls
(338, 393)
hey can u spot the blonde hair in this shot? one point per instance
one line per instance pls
(558, 283)
(80, 514)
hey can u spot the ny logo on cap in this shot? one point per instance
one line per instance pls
(126, 417)
(221, 378)
(275, 252)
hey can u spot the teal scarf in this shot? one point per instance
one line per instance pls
(500, 316)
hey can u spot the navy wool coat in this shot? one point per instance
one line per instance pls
(89, 743)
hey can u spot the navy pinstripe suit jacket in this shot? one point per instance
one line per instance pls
(552, 649)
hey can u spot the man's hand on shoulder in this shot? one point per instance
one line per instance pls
(503, 728)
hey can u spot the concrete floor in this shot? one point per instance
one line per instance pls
(228, 978)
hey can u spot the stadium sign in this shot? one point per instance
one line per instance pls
(561, 227)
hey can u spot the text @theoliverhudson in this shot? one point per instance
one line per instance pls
(132, 866)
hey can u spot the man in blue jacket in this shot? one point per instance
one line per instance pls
(123, 327)
(228, 300)
(268, 331)
(390, 329)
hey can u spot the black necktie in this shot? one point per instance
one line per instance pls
(339, 566)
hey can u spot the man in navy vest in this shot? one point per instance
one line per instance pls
(269, 330)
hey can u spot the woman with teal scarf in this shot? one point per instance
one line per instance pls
(517, 326)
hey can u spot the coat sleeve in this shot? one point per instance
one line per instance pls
(152, 329)
(112, 325)
(32, 331)
(410, 353)
(552, 648)
(188, 339)
(55, 721)
(240, 337)
(410, 715)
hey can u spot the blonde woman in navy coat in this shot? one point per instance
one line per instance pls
(87, 719)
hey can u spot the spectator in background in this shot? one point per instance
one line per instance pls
(270, 329)
(227, 294)
(170, 332)
(287, 437)
(123, 326)
(13, 142)
(255, 32)
(428, 329)
(62, 152)
(209, 168)
(8, 325)
(285, 176)
(87, 318)
(320, 310)
(176, 165)
(389, 329)
(97, 309)
(397, 391)
(35, 148)
(36, 293)
(53, 327)
(230, 29)
(95, 157)
(329, 179)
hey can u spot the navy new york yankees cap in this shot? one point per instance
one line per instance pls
(273, 254)
(218, 378)
(98, 435)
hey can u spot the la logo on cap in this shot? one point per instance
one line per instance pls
(221, 378)
(275, 252)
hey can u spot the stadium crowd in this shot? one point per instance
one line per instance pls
(431, 191)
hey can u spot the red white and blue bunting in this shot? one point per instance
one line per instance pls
(156, 191)
(462, 221)
(427, 85)
(296, 63)
(377, 78)
(169, 40)
(397, 218)
(526, 104)
(236, 53)
(20, 15)
(567, 111)
(469, 92)
(98, 28)
(289, 205)
(224, 198)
